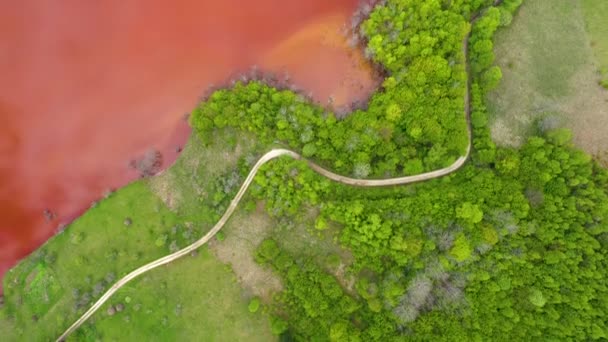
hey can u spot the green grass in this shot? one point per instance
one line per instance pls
(596, 17)
(192, 299)
(42, 288)
(78, 262)
(548, 69)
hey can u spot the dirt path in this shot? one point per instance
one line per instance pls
(275, 153)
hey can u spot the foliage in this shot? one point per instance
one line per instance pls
(316, 307)
(513, 246)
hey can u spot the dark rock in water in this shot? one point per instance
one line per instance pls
(150, 163)
(48, 215)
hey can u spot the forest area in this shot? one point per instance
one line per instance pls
(511, 247)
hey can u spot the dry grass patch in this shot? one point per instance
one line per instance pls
(243, 234)
(587, 115)
(596, 16)
(165, 188)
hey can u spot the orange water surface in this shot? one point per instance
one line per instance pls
(87, 86)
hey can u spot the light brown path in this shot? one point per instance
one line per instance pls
(275, 153)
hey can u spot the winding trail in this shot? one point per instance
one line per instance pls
(275, 153)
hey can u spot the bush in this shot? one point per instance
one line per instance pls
(254, 305)
(278, 325)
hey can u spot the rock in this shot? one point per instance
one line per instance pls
(133, 164)
(60, 228)
(120, 307)
(48, 215)
(127, 221)
(111, 311)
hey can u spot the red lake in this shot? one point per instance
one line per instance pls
(87, 86)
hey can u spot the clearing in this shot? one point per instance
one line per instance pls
(549, 70)
(243, 234)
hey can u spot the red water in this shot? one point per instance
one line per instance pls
(86, 86)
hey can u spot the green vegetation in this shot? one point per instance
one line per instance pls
(422, 252)
(114, 236)
(596, 12)
(416, 123)
(254, 305)
(197, 299)
(513, 246)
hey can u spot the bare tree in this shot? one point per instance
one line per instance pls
(419, 290)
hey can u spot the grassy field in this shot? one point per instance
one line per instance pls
(48, 290)
(596, 16)
(549, 71)
(193, 299)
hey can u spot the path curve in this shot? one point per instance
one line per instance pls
(275, 153)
